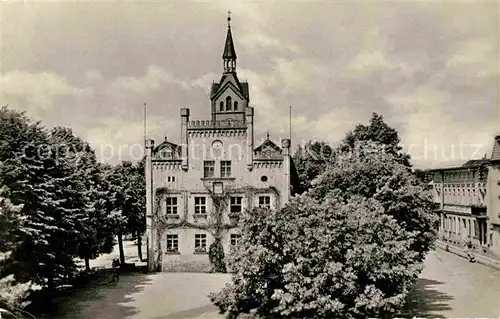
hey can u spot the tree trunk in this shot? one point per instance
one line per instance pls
(87, 264)
(50, 283)
(120, 246)
(139, 245)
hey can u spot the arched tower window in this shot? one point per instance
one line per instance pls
(228, 103)
(235, 106)
(221, 106)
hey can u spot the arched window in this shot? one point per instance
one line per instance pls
(228, 103)
(235, 106)
(221, 106)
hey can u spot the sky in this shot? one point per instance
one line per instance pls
(431, 69)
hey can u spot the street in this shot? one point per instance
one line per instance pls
(449, 286)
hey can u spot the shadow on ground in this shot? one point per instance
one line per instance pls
(102, 299)
(425, 300)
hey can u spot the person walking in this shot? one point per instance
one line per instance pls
(470, 253)
(116, 269)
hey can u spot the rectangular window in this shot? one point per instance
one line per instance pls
(200, 242)
(225, 168)
(172, 243)
(171, 204)
(200, 205)
(236, 204)
(208, 168)
(235, 239)
(265, 201)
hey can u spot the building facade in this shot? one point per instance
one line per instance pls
(196, 188)
(468, 200)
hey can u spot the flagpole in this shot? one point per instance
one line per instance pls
(145, 112)
(290, 123)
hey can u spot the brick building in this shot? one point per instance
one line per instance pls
(468, 197)
(202, 183)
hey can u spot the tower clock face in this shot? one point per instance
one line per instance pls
(217, 145)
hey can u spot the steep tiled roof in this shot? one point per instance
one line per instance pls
(495, 154)
(242, 86)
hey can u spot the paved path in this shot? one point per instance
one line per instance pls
(449, 286)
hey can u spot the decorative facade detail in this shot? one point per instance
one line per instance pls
(217, 133)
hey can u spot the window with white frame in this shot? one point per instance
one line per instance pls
(172, 243)
(208, 168)
(200, 242)
(225, 169)
(171, 205)
(235, 238)
(236, 204)
(265, 201)
(200, 205)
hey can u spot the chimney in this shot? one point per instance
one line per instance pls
(184, 138)
(249, 123)
(286, 193)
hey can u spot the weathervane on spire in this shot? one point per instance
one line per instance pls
(229, 55)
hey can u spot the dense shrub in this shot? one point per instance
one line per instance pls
(216, 256)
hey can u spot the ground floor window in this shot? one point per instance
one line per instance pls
(235, 239)
(172, 243)
(200, 243)
(265, 201)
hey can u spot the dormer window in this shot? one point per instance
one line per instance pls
(235, 106)
(228, 103)
(221, 106)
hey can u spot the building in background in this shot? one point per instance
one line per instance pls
(468, 199)
(494, 197)
(213, 174)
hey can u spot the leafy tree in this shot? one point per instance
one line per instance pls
(369, 171)
(351, 247)
(33, 179)
(12, 294)
(320, 259)
(92, 225)
(310, 160)
(128, 189)
(379, 132)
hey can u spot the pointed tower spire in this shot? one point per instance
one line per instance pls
(229, 55)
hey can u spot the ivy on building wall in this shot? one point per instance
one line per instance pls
(215, 224)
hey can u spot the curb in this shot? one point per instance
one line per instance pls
(487, 261)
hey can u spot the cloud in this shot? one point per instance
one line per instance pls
(116, 139)
(36, 91)
(258, 41)
(431, 69)
(432, 135)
